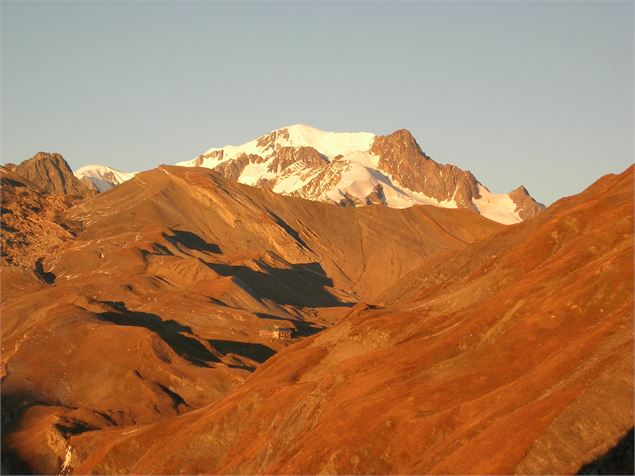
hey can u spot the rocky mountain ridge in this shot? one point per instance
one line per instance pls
(53, 174)
(349, 169)
(357, 169)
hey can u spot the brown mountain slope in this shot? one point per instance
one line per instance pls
(359, 250)
(30, 225)
(516, 356)
(153, 302)
(51, 172)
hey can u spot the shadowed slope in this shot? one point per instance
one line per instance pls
(514, 356)
(151, 304)
(360, 250)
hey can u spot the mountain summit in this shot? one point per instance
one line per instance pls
(348, 169)
(51, 172)
(359, 168)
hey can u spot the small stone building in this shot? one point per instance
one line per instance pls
(275, 332)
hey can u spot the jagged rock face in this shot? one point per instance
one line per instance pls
(233, 169)
(376, 197)
(270, 141)
(287, 156)
(51, 172)
(215, 155)
(358, 169)
(349, 201)
(326, 179)
(526, 206)
(401, 157)
(30, 227)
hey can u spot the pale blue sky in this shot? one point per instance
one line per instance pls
(538, 93)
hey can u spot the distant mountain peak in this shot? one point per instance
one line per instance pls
(352, 167)
(51, 172)
(520, 189)
(526, 206)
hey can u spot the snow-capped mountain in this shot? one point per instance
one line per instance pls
(103, 177)
(348, 169)
(360, 168)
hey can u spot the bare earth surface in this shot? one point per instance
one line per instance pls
(427, 340)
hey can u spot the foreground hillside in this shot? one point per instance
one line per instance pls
(512, 355)
(137, 305)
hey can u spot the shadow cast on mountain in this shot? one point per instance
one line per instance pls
(70, 427)
(300, 285)
(47, 277)
(170, 331)
(617, 460)
(187, 239)
(14, 183)
(12, 463)
(14, 405)
(290, 230)
(250, 350)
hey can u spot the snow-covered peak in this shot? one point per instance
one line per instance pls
(356, 169)
(102, 176)
(329, 144)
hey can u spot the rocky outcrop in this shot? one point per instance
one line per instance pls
(326, 179)
(270, 141)
(526, 206)
(377, 196)
(51, 172)
(401, 158)
(283, 162)
(213, 155)
(304, 156)
(233, 169)
(348, 201)
(30, 225)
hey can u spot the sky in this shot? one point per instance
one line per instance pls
(533, 93)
